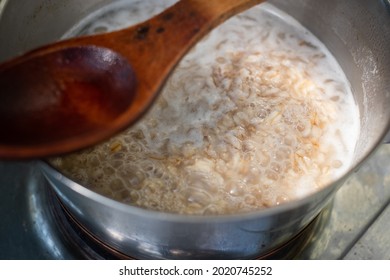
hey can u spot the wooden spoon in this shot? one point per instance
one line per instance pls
(75, 93)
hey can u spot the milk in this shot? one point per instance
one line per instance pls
(258, 114)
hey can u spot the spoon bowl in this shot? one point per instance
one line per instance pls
(81, 90)
(78, 92)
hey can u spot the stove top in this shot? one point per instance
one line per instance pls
(355, 226)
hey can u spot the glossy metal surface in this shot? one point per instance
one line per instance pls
(358, 34)
(357, 226)
(148, 234)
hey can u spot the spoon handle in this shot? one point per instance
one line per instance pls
(154, 47)
(162, 41)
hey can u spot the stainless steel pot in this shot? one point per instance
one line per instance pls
(357, 32)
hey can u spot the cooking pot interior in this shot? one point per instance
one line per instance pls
(357, 32)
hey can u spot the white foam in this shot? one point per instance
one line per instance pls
(258, 114)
